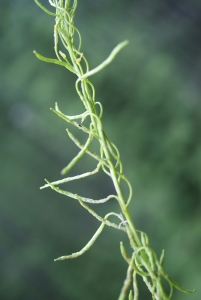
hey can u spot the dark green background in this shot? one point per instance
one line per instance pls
(152, 111)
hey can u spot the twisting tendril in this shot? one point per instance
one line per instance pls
(143, 260)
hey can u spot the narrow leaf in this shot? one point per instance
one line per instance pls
(54, 61)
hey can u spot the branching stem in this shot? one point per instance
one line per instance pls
(143, 261)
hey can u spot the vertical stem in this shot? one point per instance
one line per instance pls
(143, 255)
(67, 4)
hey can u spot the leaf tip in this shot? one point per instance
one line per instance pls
(59, 258)
(63, 172)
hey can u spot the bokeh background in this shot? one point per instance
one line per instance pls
(152, 111)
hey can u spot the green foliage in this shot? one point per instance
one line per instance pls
(143, 261)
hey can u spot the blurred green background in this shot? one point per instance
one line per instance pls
(152, 111)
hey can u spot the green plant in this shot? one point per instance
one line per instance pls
(143, 261)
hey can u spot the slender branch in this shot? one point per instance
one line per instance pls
(75, 196)
(78, 156)
(104, 64)
(127, 282)
(68, 179)
(88, 245)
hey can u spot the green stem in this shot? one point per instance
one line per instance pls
(143, 261)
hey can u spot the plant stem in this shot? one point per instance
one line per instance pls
(143, 261)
